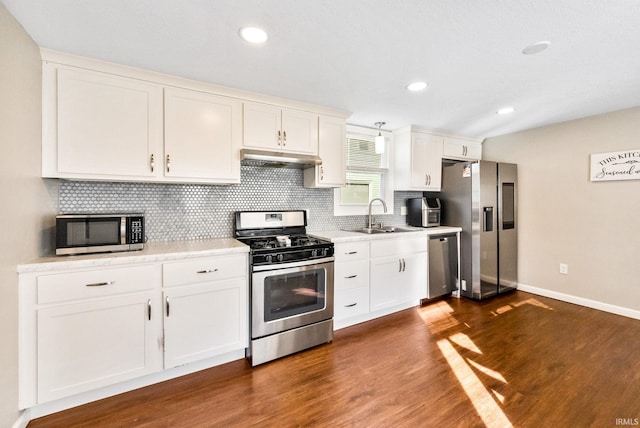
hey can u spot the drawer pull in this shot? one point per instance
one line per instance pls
(208, 271)
(149, 308)
(350, 276)
(167, 305)
(351, 305)
(100, 284)
(351, 252)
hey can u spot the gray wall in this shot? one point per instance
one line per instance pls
(565, 218)
(28, 202)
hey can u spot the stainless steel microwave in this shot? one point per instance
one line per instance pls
(99, 233)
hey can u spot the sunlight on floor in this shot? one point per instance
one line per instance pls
(532, 301)
(438, 316)
(484, 403)
(463, 340)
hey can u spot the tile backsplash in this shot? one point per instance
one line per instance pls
(189, 211)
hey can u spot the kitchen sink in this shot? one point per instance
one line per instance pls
(383, 229)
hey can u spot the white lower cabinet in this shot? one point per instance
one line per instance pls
(209, 315)
(95, 328)
(91, 344)
(378, 277)
(84, 329)
(397, 280)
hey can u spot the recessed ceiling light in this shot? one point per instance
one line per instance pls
(416, 86)
(253, 35)
(506, 110)
(536, 48)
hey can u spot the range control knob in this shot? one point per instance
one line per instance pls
(280, 257)
(324, 252)
(314, 253)
(268, 258)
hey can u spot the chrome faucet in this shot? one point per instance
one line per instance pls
(384, 205)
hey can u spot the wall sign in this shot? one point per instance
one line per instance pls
(610, 166)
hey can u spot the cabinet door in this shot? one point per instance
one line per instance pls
(426, 162)
(416, 273)
(203, 135)
(454, 148)
(205, 320)
(331, 149)
(386, 286)
(97, 125)
(262, 126)
(397, 280)
(91, 344)
(299, 131)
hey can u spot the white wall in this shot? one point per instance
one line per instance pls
(565, 218)
(27, 200)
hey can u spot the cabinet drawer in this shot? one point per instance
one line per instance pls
(351, 303)
(204, 269)
(351, 274)
(393, 247)
(95, 283)
(351, 251)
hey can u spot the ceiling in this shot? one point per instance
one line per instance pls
(359, 55)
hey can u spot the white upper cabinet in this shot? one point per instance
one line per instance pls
(275, 128)
(97, 125)
(461, 149)
(103, 121)
(418, 161)
(101, 126)
(331, 149)
(202, 137)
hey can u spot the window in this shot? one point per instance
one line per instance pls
(367, 176)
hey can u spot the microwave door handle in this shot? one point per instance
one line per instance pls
(123, 230)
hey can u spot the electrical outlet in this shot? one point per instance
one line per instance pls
(403, 210)
(564, 268)
(464, 285)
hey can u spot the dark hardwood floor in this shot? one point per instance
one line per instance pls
(518, 359)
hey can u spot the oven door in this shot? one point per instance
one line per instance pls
(290, 296)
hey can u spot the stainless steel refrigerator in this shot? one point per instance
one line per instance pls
(481, 198)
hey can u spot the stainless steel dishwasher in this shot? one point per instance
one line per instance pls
(443, 264)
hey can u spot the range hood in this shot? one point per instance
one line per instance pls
(272, 159)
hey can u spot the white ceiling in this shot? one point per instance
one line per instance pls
(358, 55)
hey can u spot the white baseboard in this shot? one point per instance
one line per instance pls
(23, 420)
(593, 304)
(61, 404)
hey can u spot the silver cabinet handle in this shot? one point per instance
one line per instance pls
(404, 265)
(149, 308)
(350, 276)
(208, 271)
(351, 252)
(168, 163)
(166, 305)
(284, 138)
(100, 284)
(321, 173)
(351, 305)
(152, 162)
(279, 138)
(399, 265)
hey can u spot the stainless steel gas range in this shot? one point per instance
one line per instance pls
(291, 283)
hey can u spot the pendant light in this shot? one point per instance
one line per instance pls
(379, 140)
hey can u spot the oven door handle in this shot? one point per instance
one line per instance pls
(295, 264)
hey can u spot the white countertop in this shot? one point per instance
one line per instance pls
(337, 236)
(153, 252)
